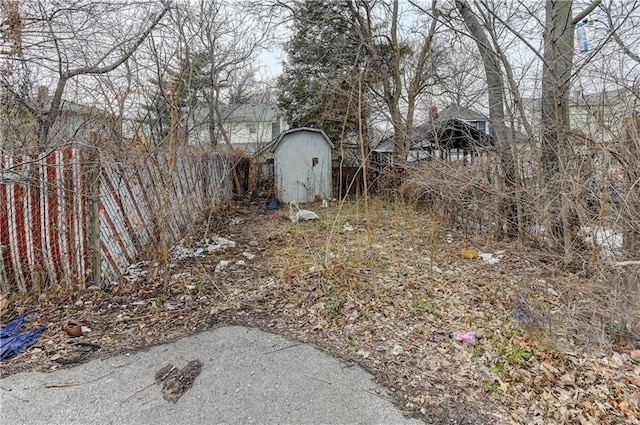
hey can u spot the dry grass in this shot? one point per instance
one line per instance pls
(363, 280)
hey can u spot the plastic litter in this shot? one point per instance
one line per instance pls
(301, 214)
(348, 228)
(464, 337)
(272, 204)
(397, 350)
(12, 342)
(469, 254)
(223, 264)
(72, 329)
(491, 258)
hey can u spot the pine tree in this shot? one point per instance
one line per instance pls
(318, 86)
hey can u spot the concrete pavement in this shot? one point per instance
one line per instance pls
(248, 377)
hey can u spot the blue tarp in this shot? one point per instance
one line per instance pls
(12, 342)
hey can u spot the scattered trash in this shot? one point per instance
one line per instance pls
(218, 242)
(490, 258)
(612, 253)
(301, 214)
(464, 337)
(171, 306)
(449, 238)
(552, 291)
(73, 329)
(325, 203)
(363, 353)
(86, 329)
(180, 252)
(437, 269)
(520, 311)
(12, 342)
(313, 288)
(241, 263)
(469, 254)
(397, 350)
(179, 276)
(248, 255)
(199, 251)
(136, 271)
(273, 204)
(348, 228)
(222, 265)
(235, 221)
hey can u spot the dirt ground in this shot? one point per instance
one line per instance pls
(457, 340)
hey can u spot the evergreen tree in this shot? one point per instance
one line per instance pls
(318, 86)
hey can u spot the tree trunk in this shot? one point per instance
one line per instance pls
(556, 84)
(497, 129)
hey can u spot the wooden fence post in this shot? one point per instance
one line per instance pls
(93, 216)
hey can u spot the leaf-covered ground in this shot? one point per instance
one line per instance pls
(385, 286)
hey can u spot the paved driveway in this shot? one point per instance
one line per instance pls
(248, 377)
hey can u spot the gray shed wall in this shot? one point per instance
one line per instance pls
(297, 178)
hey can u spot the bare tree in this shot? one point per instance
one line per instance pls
(401, 86)
(62, 42)
(492, 59)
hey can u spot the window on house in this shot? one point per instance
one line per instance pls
(252, 128)
(481, 126)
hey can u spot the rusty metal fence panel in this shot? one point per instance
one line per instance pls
(42, 220)
(45, 211)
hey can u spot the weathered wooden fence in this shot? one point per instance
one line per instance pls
(77, 216)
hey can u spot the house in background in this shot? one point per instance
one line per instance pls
(597, 125)
(302, 165)
(75, 124)
(251, 127)
(597, 116)
(456, 133)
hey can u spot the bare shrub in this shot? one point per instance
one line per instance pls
(462, 195)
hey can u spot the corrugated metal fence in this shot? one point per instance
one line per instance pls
(51, 229)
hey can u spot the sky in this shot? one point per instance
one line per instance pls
(271, 61)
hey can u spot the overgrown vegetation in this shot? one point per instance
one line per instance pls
(548, 347)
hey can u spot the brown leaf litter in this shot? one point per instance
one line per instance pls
(381, 286)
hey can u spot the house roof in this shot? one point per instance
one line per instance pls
(384, 145)
(275, 144)
(252, 112)
(449, 127)
(460, 113)
(69, 106)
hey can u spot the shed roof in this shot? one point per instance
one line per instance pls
(300, 129)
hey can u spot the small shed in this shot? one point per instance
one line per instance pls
(302, 165)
